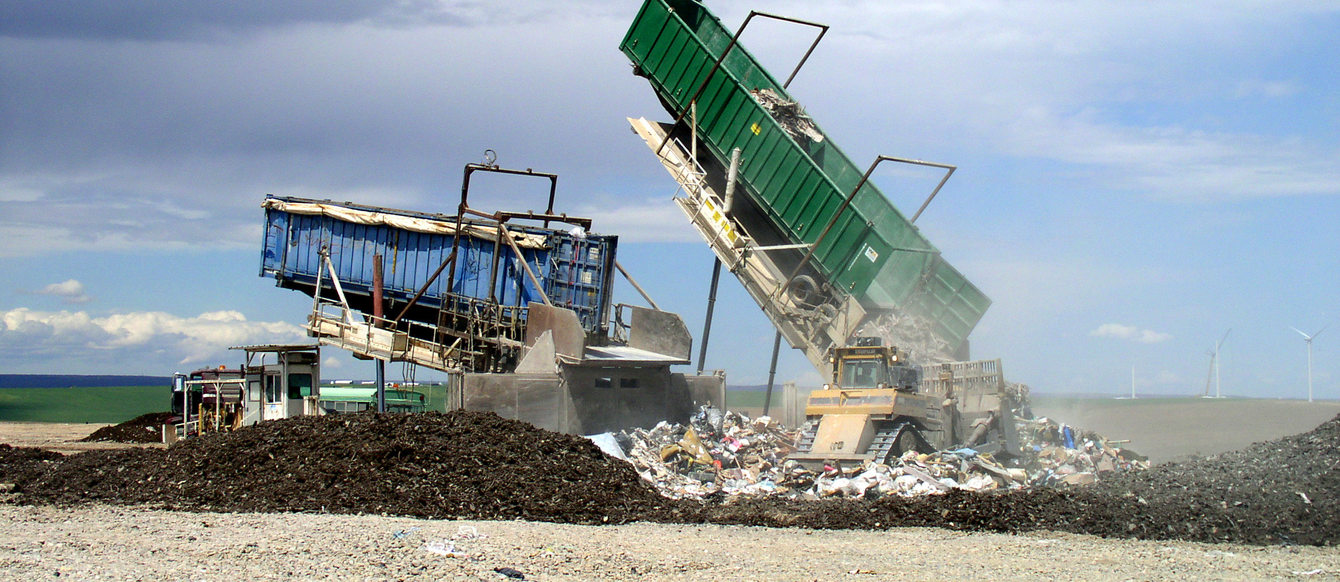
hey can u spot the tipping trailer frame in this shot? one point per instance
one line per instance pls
(520, 316)
(462, 285)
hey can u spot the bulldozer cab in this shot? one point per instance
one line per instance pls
(860, 372)
(871, 365)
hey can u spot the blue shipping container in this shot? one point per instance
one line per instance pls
(574, 268)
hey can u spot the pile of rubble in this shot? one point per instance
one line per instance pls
(732, 454)
(1058, 454)
(717, 453)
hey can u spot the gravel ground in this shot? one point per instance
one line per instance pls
(103, 542)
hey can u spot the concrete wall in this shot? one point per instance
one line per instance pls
(607, 399)
(582, 400)
(535, 398)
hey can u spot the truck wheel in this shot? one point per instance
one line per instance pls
(803, 290)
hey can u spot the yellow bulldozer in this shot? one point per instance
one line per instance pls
(877, 407)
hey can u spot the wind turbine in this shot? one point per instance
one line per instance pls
(1209, 376)
(1214, 366)
(1132, 396)
(1308, 339)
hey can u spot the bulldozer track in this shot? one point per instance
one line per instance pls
(892, 440)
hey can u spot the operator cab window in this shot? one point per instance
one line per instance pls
(860, 374)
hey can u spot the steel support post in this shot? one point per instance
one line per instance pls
(772, 373)
(707, 321)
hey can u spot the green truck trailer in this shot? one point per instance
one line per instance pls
(827, 238)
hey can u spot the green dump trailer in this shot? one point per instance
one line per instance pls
(797, 181)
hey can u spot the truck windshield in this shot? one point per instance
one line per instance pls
(860, 373)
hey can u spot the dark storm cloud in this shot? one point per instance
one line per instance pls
(176, 19)
(115, 142)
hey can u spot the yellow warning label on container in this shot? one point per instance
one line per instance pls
(755, 128)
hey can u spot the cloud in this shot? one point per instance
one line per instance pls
(125, 145)
(171, 20)
(71, 290)
(1131, 333)
(653, 221)
(1160, 100)
(69, 338)
(118, 137)
(1266, 89)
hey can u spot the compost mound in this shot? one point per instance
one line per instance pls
(23, 463)
(480, 466)
(461, 464)
(146, 428)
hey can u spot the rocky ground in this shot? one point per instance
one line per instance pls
(469, 465)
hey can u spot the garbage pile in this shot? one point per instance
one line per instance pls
(1059, 454)
(732, 454)
(716, 453)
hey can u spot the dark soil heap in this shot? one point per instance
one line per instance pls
(461, 464)
(1283, 491)
(19, 464)
(145, 428)
(477, 465)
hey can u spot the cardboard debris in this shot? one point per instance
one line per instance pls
(732, 454)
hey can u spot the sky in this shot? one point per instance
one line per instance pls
(1134, 180)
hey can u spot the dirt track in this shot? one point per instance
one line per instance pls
(1168, 429)
(60, 437)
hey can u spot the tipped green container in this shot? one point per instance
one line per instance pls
(674, 44)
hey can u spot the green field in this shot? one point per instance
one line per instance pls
(117, 404)
(110, 404)
(101, 404)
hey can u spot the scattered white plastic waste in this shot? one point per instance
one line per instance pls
(443, 548)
